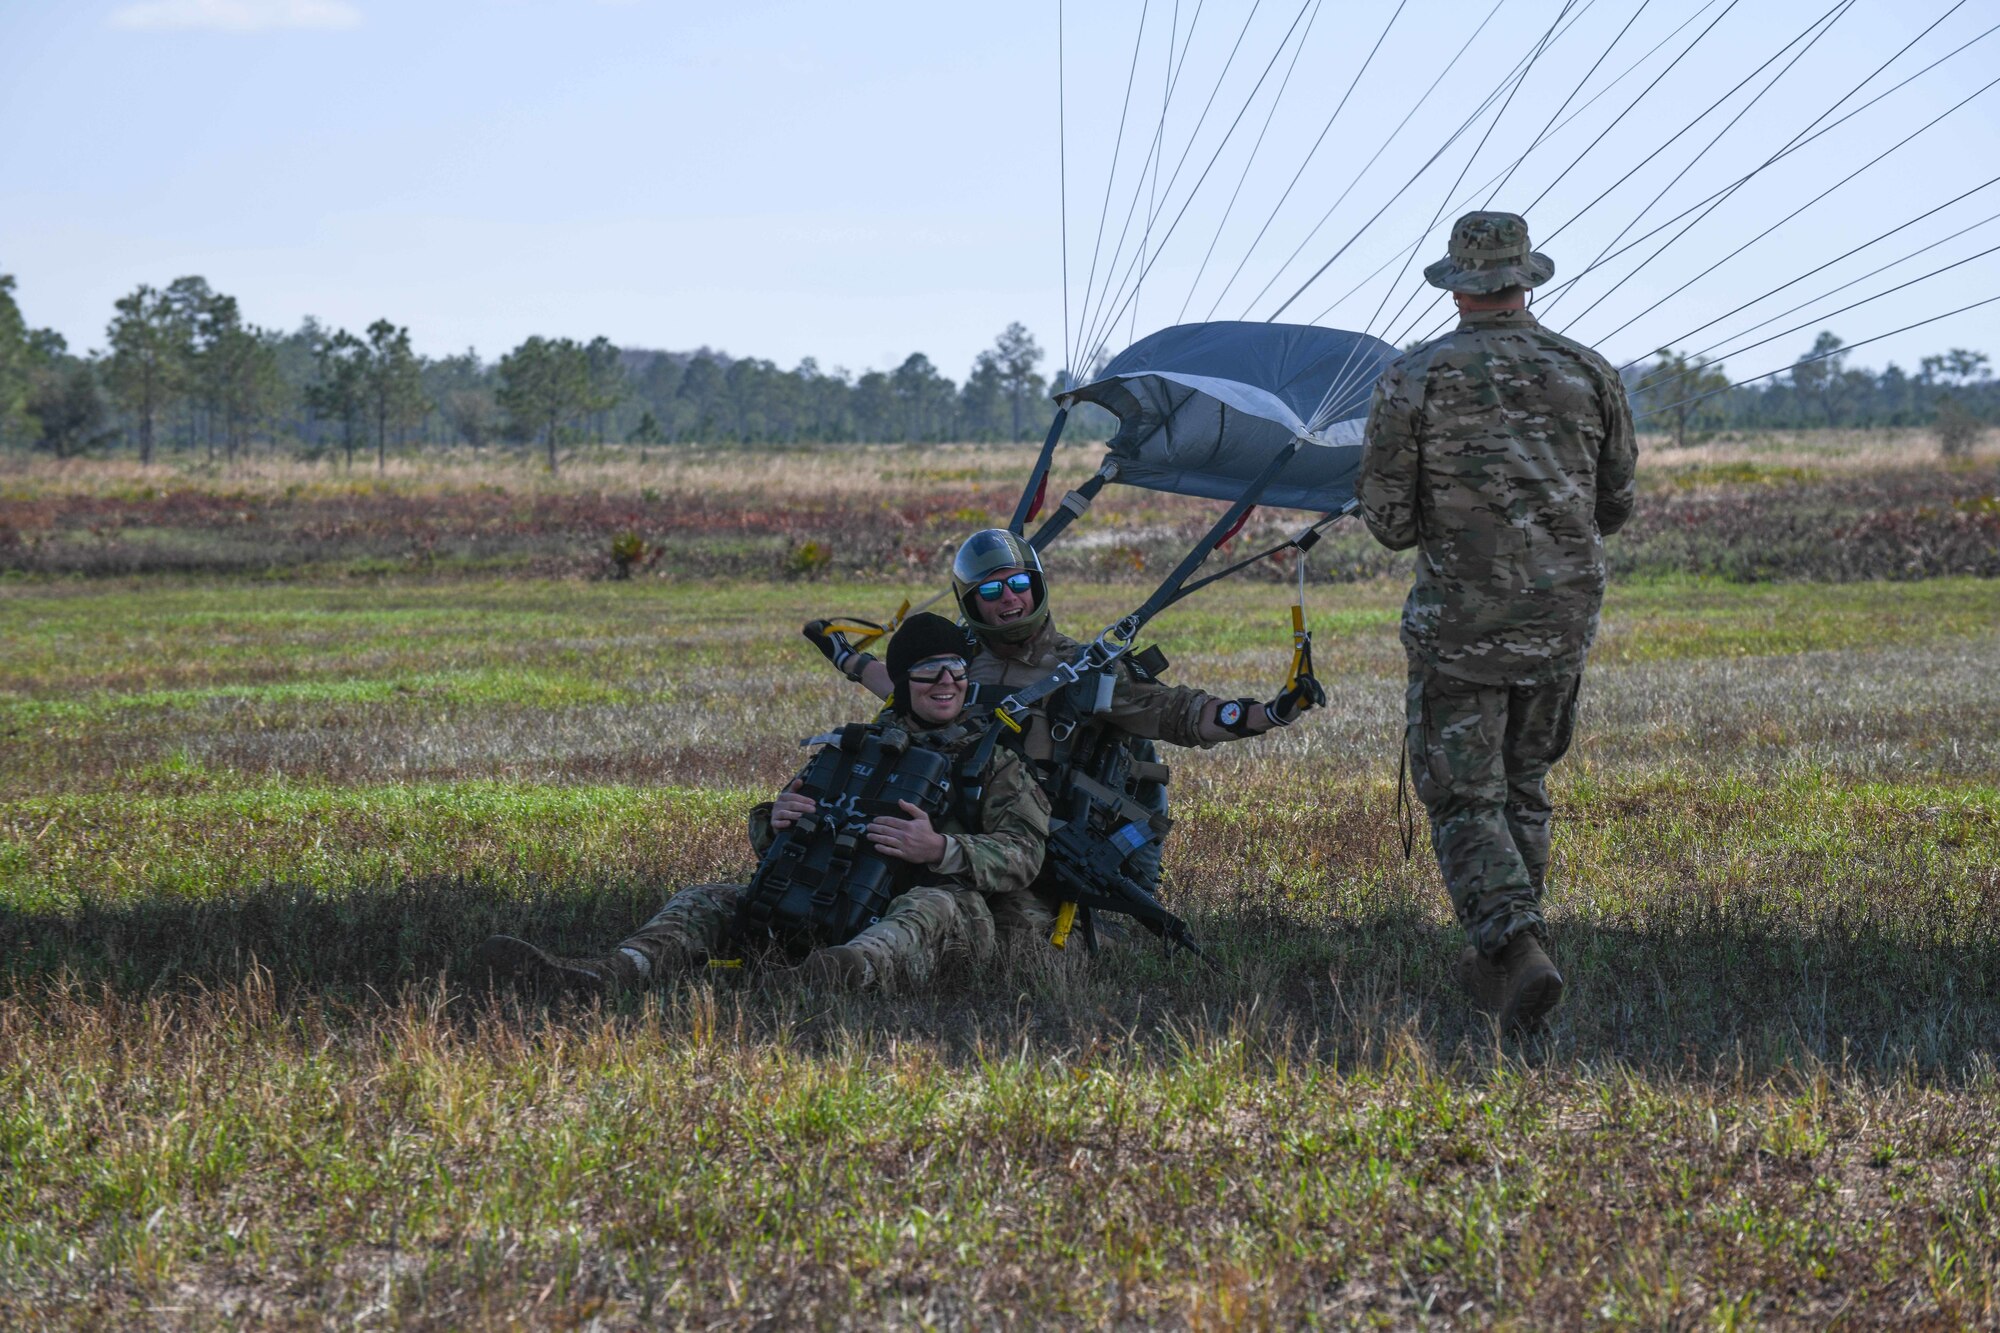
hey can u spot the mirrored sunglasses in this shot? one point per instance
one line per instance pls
(1019, 584)
(929, 673)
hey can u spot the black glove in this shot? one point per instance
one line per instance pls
(833, 645)
(1294, 699)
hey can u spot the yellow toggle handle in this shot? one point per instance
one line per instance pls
(1065, 919)
(725, 962)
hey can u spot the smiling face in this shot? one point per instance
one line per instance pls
(1014, 601)
(937, 689)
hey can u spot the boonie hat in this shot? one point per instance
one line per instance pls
(1488, 253)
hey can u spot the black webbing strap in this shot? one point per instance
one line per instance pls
(972, 775)
(1070, 508)
(1117, 640)
(1039, 475)
(1306, 539)
(1169, 590)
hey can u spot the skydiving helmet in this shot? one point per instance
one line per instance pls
(984, 554)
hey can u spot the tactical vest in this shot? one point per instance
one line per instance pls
(1107, 787)
(821, 878)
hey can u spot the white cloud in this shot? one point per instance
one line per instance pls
(236, 15)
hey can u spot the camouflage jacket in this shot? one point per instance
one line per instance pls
(1505, 453)
(1144, 708)
(1003, 854)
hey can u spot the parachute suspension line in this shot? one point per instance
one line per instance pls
(1465, 200)
(1822, 318)
(1325, 129)
(1342, 377)
(1828, 19)
(1824, 24)
(1512, 77)
(1195, 189)
(1848, 254)
(1062, 174)
(1159, 137)
(1549, 128)
(1618, 119)
(1248, 162)
(1380, 149)
(1117, 151)
(1703, 207)
(1863, 278)
(1774, 226)
(1799, 143)
(1090, 318)
(1336, 392)
(1842, 350)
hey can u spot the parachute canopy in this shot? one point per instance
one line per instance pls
(1203, 408)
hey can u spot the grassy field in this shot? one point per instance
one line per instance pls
(252, 828)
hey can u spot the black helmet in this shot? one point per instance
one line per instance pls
(984, 554)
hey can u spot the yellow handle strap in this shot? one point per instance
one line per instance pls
(1302, 647)
(1065, 920)
(725, 962)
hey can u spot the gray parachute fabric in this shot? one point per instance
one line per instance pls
(1203, 408)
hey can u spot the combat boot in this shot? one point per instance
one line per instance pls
(528, 966)
(1519, 984)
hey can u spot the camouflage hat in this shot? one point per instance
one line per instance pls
(1489, 253)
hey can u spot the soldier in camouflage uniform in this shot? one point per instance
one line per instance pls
(998, 582)
(972, 895)
(1504, 452)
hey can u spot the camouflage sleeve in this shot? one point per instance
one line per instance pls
(1158, 712)
(761, 833)
(1005, 853)
(1387, 484)
(1618, 460)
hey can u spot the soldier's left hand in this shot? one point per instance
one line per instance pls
(912, 839)
(1296, 698)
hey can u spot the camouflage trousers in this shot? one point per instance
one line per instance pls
(924, 931)
(1480, 756)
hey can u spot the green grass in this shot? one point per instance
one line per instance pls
(251, 834)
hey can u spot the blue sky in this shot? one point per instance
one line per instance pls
(857, 182)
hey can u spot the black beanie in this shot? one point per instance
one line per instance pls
(922, 636)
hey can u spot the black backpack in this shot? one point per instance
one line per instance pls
(822, 881)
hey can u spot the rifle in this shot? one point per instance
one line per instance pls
(1091, 844)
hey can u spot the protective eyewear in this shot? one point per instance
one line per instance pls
(1019, 584)
(929, 673)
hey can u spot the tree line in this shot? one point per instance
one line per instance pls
(1686, 395)
(181, 369)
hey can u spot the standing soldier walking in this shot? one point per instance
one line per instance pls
(1504, 453)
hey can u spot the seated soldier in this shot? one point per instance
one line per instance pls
(997, 579)
(970, 869)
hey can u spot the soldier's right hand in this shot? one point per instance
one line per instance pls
(833, 645)
(788, 808)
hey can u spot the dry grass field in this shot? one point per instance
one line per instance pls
(278, 748)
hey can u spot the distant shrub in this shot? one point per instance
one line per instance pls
(808, 559)
(629, 552)
(1957, 430)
